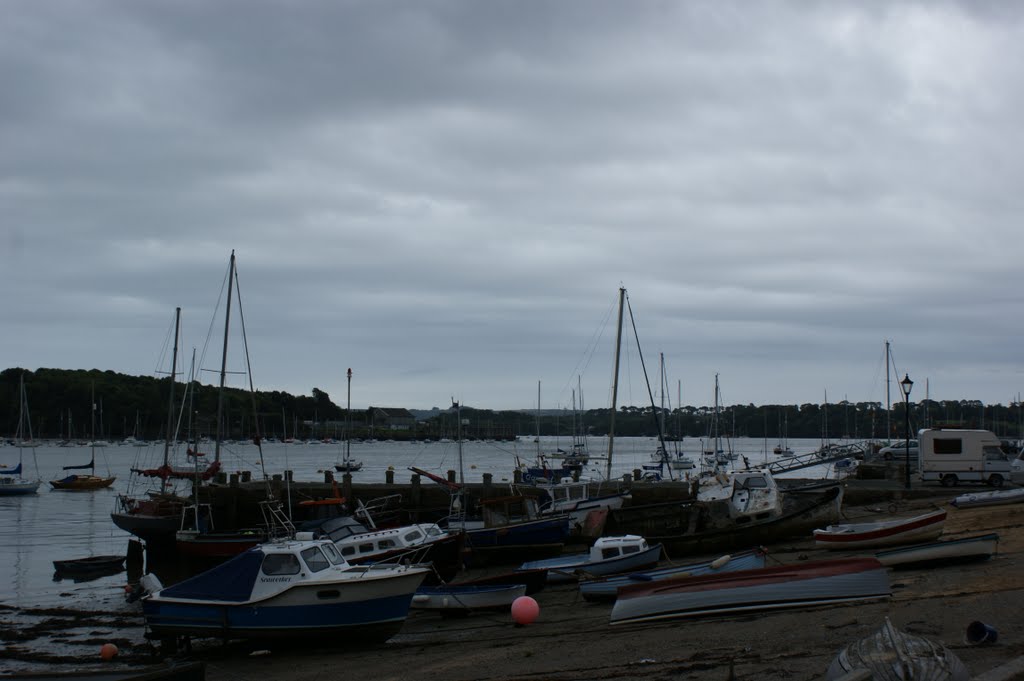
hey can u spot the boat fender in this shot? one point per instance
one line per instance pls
(720, 562)
(150, 583)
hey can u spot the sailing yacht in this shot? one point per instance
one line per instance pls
(85, 481)
(782, 449)
(12, 482)
(156, 514)
(197, 535)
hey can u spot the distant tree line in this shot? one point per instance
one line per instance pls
(60, 402)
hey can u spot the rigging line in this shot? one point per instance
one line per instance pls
(591, 349)
(657, 422)
(213, 319)
(162, 355)
(248, 368)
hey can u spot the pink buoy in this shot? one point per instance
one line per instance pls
(108, 651)
(524, 610)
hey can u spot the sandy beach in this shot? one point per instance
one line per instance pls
(572, 639)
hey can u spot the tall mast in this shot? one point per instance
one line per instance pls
(888, 405)
(92, 428)
(458, 430)
(224, 357)
(615, 386)
(170, 401)
(538, 423)
(348, 419)
(718, 446)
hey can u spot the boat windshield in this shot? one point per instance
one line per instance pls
(333, 555)
(281, 564)
(315, 559)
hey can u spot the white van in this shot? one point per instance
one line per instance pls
(951, 456)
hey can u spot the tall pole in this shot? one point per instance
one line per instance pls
(888, 403)
(906, 384)
(615, 387)
(348, 419)
(170, 401)
(224, 360)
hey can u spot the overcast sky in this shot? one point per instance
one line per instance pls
(447, 196)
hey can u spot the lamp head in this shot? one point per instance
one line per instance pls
(906, 384)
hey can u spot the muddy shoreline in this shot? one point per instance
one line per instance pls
(572, 639)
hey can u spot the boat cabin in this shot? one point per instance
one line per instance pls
(501, 511)
(260, 572)
(563, 494)
(607, 548)
(751, 494)
(358, 547)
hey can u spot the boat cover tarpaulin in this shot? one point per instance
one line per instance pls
(4, 470)
(230, 581)
(91, 464)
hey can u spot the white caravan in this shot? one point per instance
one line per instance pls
(951, 456)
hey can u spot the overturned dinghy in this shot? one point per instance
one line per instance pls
(891, 654)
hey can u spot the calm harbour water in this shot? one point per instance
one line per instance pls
(36, 530)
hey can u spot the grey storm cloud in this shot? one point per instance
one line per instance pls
(446, 196)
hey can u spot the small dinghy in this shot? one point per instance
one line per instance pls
(461, 599)
(606, 588)
(815, 583)
(89, 566)
(965, 549)
(891, 655)
(995, 498)
(893, 532)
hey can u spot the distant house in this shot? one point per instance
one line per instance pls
(388, 418)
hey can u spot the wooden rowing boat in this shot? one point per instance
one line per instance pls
(891, 655)
(606, 588)
(882, 533)
(840, 580)
(965, 549)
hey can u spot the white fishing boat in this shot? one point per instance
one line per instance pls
(607, 556)
(417, 543)
(291, 590)
(574, 498)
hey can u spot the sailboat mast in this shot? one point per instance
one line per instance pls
(538, 423)
(888, 405)
(170, 402)
(92, 429)
(716, 437)
(458, 430)
(224, 357)
(615, 386)
(348, 419)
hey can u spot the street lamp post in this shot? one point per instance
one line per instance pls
(906, 384)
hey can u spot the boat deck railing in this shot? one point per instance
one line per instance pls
(827, 454)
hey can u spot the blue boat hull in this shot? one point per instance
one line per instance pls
(370, 610)
(511, 542)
